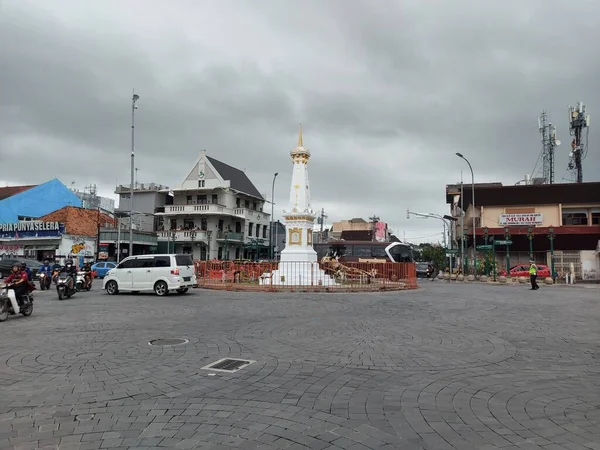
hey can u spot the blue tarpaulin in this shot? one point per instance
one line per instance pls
(37, 201)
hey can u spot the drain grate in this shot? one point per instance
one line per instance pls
(168, 342)
(229, 365)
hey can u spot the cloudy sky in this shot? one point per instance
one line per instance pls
(387, 92)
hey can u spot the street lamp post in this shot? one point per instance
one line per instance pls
(551, 236)
(473, 204)
(530, 235)
(507, 238)
(485, 240)
(271, 249)
(134, 100)
(192, 237)
(173, 235)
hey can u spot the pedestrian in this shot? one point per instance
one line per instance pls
(533, 275)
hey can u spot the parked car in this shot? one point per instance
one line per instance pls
(424, 269)
(7, 263)
(158, 273)
(101, 268)
(522, 270)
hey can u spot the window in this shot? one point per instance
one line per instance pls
(574, 217)
(220, 253)
(201, 183)
(250, 225)
(110, 265)
(246, 203)
(257, 230)
(238, 202)
(144, 263)
(162, 261)
(362, 251)
(188, 224)
(254, 206)
(215, 199)
(401, 253)
(220, 225)
(264, 232)
(202, 199)
(595, 217)
(127, 264)
(378, 251)
(184, 260)
(238, 227)
(100, 265)
(189, 199)
(203, 224)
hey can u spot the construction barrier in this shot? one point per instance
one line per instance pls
(330, 276)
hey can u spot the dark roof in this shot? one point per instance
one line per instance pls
(238, 179)
(356, 235)
(358, 220)
(541, 194)
(9, 191)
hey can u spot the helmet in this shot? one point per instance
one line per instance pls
(68, 262)
(23, 264)
(46, 261)
(16, 266)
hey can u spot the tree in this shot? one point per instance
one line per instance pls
(435, 254)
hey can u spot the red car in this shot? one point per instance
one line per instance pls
(522, 270)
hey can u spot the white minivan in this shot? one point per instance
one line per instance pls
(158, 273)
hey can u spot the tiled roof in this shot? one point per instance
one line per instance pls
(238, 179)
(9, 191)
(79, 221)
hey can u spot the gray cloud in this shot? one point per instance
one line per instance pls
(387, 93)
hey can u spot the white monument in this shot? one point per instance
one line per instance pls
(298, 265)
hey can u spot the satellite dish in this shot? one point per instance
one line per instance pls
(557, 142)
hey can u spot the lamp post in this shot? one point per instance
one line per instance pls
(473, 204)
(226, 252)
(192, 237)
(485, 240)
(530, 235)
(507, 238)
(173, 235)
(551, 236)
(271, 249)
(134, 100)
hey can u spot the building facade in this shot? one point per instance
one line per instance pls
(216, 213)
(556, 224)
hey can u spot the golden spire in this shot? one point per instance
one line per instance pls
(300, 138)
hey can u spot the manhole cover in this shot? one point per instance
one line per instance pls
(168, 342)
(84, 417)
(228, 365)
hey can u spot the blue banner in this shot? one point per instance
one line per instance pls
(31, 229)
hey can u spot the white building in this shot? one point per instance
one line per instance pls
(215, 213)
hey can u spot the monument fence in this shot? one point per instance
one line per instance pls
(348, 276)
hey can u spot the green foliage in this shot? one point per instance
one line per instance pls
(434, 253)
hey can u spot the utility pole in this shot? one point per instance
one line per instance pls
(134, 100)
(321, 220)
(374, 219)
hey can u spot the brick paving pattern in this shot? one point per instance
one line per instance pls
(445, 367)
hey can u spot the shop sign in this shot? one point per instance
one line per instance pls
(29, 229)
(521, 219)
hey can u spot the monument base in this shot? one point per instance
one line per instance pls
(296, 273)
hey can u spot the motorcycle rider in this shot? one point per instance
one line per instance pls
(56, 268)
(87, 268)
(45, 268)
(71, 270)
(18, 285)
(27, 270)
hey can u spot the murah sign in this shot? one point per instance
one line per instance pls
(522, 219)
(31, 229)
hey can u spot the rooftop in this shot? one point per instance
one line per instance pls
(237, 178)
(79, 221)
(9, 191)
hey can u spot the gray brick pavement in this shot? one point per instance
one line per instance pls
(445, 367)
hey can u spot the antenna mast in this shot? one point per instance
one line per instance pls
(579, 123)
(549, 143)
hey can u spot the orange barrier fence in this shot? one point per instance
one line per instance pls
(329, 276)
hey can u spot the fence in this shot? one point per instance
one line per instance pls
(305, 276)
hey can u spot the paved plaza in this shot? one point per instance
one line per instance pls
(449, 366)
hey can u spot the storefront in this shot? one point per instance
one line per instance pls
(33, 239)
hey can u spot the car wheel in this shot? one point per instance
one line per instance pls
(112, 288)
(161, 289)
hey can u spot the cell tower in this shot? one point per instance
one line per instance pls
(579, 123)
(549, 143)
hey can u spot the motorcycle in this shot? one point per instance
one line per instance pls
(62, 286)
(82, 283)
(45, 280)
(25, 303)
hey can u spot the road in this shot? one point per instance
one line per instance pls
(461, 366)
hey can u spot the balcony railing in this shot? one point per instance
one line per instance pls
(229, 236)
(203, 208)
(183, 235)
